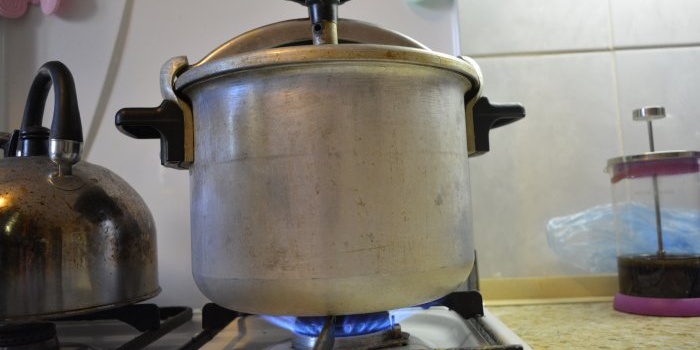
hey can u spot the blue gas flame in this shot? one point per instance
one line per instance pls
(346, 325)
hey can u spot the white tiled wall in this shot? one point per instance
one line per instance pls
(668, 77)
(654, 22)
(580, 68)
(498, 27)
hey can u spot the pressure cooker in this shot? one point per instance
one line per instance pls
(328, 163)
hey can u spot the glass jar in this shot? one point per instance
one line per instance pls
(656, 198)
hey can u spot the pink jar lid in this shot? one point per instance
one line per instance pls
(685, 307)
(653, 163)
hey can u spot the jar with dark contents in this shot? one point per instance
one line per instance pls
(656, 197)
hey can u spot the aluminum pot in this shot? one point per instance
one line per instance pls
(75, 237)
(325, 179)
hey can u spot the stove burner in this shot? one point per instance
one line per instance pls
(361, 331)
(346, 325)
(28, 336)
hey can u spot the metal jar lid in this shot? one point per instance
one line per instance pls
(653, 163)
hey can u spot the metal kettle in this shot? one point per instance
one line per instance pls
(74, 237)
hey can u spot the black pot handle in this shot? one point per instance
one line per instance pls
(165, 122)
(65, 137)
(486, 116)
(171, 122)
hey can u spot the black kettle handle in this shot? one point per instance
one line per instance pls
(486, 116)
(8, 143)
(66, 127)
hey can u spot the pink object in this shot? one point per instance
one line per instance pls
(684, 307)
(17, 8)
(48, 7)
(635, 168)
(13, 8)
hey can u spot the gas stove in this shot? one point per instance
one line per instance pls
(458, 321)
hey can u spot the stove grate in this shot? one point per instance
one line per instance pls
(152, 321)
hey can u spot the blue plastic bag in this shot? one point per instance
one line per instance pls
(589, 240)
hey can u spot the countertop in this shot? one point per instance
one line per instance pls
(596, 325)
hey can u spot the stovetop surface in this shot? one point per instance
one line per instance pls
(459, 321)
(436, 328)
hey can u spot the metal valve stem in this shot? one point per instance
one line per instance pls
(648, 114)
(324, 20)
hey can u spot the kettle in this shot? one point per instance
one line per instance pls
(74, 236)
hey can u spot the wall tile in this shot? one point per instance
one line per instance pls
(655, 22)
(517, 26)
(547, 165)
(667, 77)
(410, 18)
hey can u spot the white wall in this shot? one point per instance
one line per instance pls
(115, 69)
(580, 68)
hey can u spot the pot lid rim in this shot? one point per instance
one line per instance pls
(315, 54)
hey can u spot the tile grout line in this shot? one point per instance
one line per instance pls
(616, 82)
(3, 78)
(585, 51)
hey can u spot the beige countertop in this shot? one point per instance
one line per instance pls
(595, 325)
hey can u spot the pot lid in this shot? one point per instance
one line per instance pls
(653, 163)
(288, 43)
